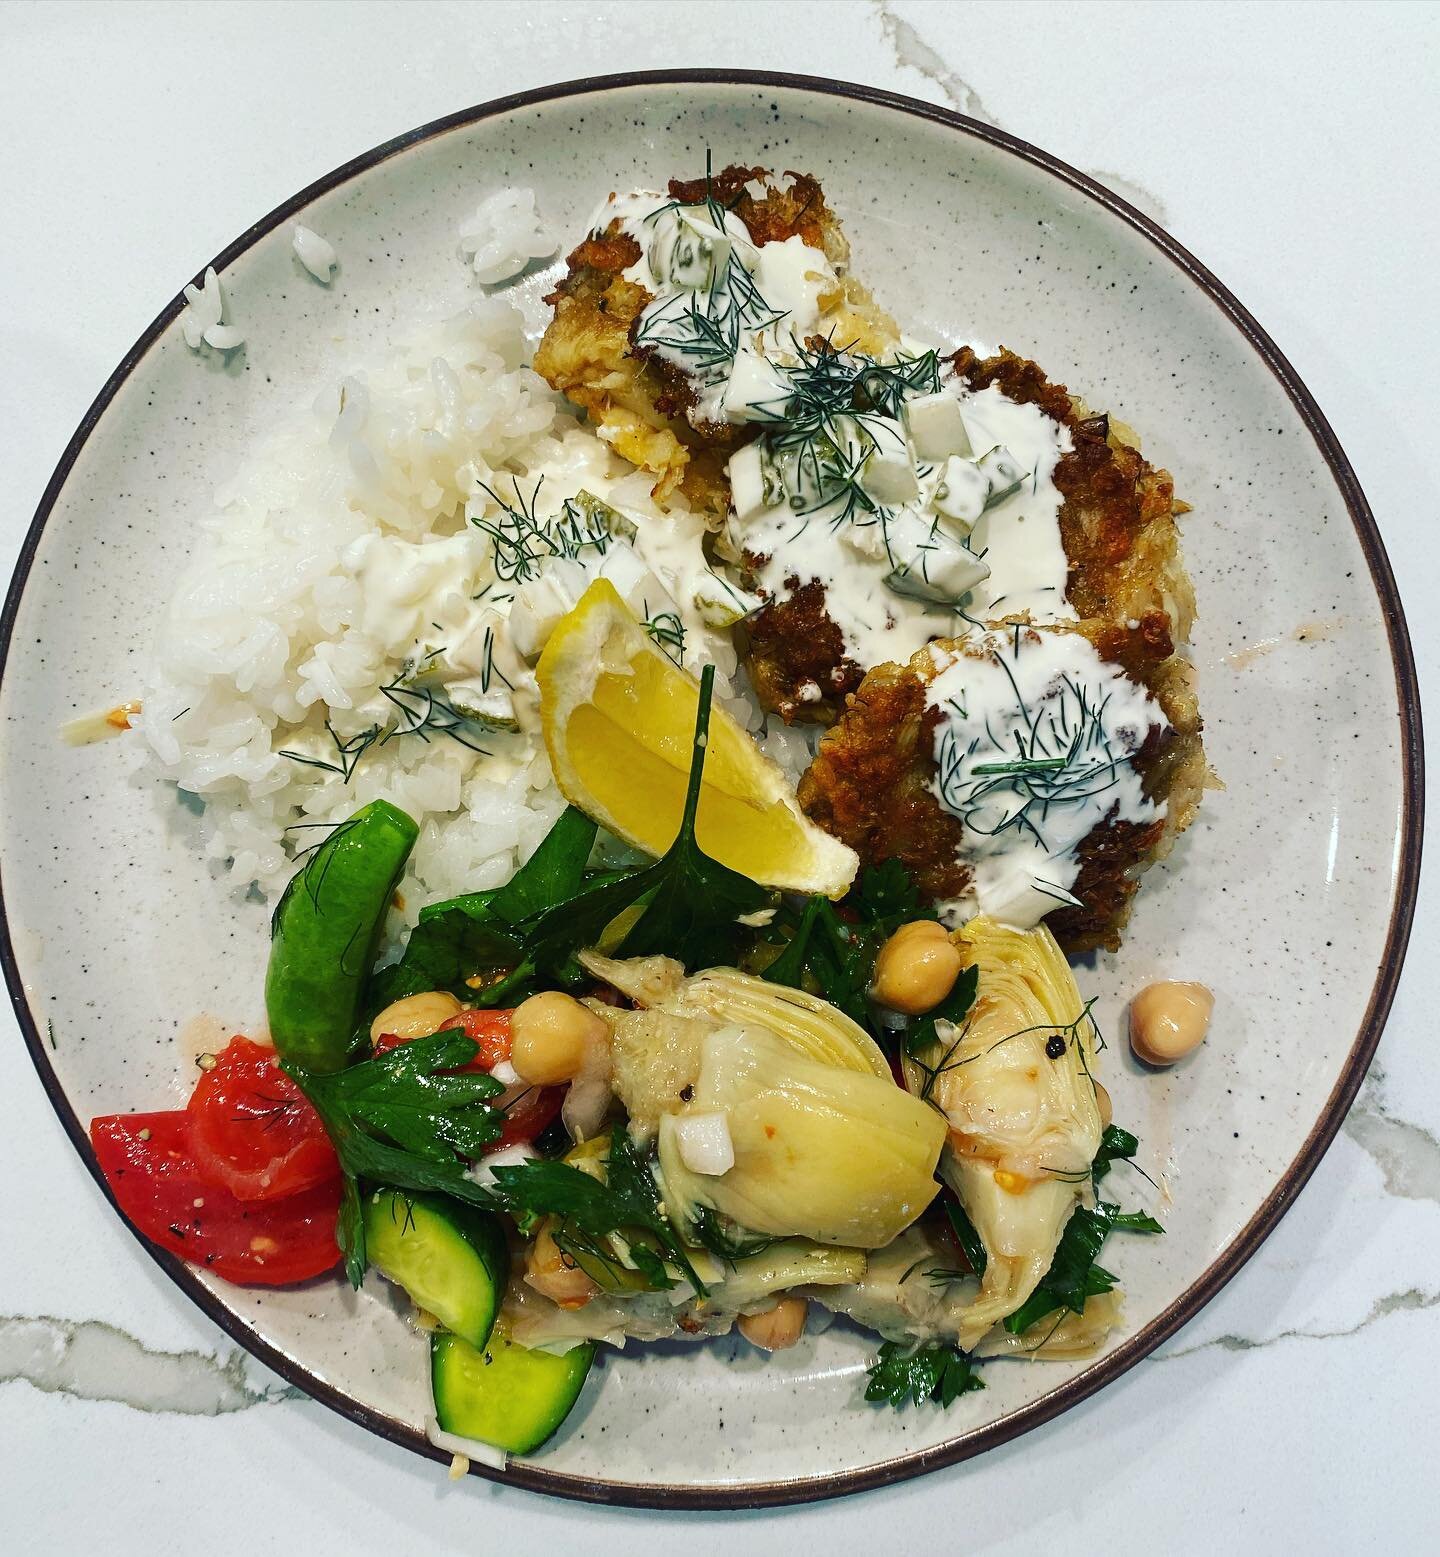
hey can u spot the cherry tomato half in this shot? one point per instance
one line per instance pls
(527, 1114)
(254, 1131)
(148, 1164)
(491, 1032)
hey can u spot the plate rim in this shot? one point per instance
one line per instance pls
(965, 1444)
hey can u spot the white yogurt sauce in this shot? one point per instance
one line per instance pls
(1011, 560)
(1062, 727)
(1020, 536)
(939, 537)
(716, 296)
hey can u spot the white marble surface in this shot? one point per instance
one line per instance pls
(1294, 149)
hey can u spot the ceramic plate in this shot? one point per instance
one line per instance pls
(1291, 897)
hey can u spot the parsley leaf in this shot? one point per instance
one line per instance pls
(835, 950)
(953, 1009)
(553, 873)
(1073, 1275)
(902, 1375)
(966, 1234)
(886, 892)
(627, 1201)
(1114, 1143)
(463, 936)
(1135, 1222)
(401, 1119)
(444, 950)
(838, 957)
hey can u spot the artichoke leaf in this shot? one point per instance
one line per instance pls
(655, 1050)
(1065, 1337)
(1024, 1120)
(821, 1152)
(791, 1263)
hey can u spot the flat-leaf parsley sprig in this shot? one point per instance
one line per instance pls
(404, 1119)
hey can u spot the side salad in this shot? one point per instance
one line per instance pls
(603, 1103)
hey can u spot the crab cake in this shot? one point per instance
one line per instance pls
(1026, 772)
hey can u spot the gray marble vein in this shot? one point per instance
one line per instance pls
(90, 1360)
(1406, 1153)
(1412, 1300)
(911, 51)
(1138, 196)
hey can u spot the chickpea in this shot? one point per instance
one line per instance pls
(550, 1036)
(777, 1327)
(916, 969)
(416, 1016)
(1168, 1020)
(555, 1275)
(1102, 1102)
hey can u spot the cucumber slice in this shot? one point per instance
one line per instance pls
(504, 1394)
(449, 1257)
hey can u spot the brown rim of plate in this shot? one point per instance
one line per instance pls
(964, 1445)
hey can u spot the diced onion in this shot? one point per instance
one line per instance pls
(705, 1144)
(507, 1157)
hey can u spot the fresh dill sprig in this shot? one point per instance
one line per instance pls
(667, 630)
(522, 542)
(348, 752)
(1063, 756)
(425, 712)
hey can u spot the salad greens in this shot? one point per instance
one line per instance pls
(590, 1210)
(408, 1120)
(1074, 1273)
(400, 1119)
(688, 906)
(1115, 1144)
(904, 1375)
(834, 949)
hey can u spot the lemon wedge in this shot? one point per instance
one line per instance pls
(619, 723)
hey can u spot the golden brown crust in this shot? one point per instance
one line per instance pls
(1117, 517)
(1116, 522)
(870, 782)
(638, 401)
(792, 646)
(781, 212)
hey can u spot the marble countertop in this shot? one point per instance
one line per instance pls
(1294, 149)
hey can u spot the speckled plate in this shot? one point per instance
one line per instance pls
(1291, 897)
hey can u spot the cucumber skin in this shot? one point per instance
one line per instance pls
(325, 932)
(499, 1396)
(477, 1230)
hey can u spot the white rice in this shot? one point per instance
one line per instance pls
(201, 320)
(504, 235)
(267, 637)
(313, 252)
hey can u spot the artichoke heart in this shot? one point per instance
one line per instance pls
(824, 1152)
(1015, 1084)
(656, 1050)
